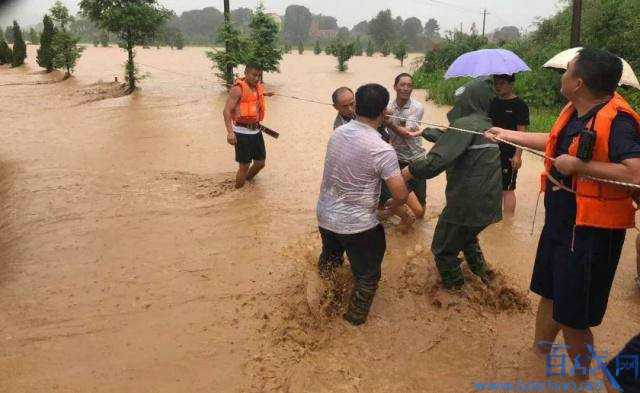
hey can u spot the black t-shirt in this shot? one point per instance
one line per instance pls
(624, 143)
(509, 114)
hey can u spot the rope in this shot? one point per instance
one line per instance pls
(529, 150)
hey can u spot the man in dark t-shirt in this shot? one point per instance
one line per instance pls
(510, 112)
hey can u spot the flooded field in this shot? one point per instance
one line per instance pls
(128, 263)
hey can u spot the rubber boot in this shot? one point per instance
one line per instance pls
(360, 303)
(450, 273)
(476, 262)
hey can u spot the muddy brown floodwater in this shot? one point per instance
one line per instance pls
(129, 264)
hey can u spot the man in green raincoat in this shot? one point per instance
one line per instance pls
(474, 183)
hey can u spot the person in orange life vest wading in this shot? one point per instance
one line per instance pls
(244, 111)
(597, 135)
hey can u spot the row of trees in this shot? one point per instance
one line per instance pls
(260, 47)
(18, 54)
(541, 87)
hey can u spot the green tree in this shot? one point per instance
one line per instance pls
(6, 55)
(1, 34)
(316, 49)
(8, 35)
(297, 21)
(34, 37)
(104, 38)
(370, 48)
(65, 45)
(300, 47)
(67, 52)
(386, 49)
(179, 40)
(382, 28)
(400, 52)
(132, 21)
(357, 47)
(412, 31)
(287, 48)
(263, 41)
(232, 56)
(431, 29)
(343, 52)
(19, 46)
(46, 52)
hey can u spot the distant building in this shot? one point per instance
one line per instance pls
(315, 32)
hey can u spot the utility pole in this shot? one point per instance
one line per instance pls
(575, 25)
(484, 21)
(227, 19)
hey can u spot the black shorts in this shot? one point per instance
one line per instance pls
(579, 280)
(509, 175)
(624, 369)
(250, 148)
(365, 251)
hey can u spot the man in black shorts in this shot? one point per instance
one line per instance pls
(244, 111)
(597, 135)
(510, 112)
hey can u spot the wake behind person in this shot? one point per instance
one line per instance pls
(243, 112)
(357, 162)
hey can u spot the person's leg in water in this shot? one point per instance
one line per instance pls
(448, 240)
(547, 328)
(579, 344)
(475, 258)
(416, 207)
(332, 254)
(366, 252)
(241, 175)
(255, 169)
(509, 202)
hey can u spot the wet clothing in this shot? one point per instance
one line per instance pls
(473, 193)
(625, 367)
(365, 251)
(340, 121)
(407, 148)
(508, 114)
(472, 164)
(250, 147)
(357, 162)
(575, 265)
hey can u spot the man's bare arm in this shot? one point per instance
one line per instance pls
(532, 140)
(398, 190)
(234, 96)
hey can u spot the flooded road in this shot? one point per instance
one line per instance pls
(129, 264)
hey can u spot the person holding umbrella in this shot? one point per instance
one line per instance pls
(598, 135)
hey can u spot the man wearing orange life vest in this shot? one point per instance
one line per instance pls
(244, 111)
(598, 135)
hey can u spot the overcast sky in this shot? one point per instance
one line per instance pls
(450, 13)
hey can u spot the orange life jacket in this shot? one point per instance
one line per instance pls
(251, 107)
(599, 205)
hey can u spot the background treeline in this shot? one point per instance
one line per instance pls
(606, 24)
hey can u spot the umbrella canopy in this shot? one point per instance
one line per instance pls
(562, 59)
(486, 62)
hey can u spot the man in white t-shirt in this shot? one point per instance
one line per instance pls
(357, 162)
